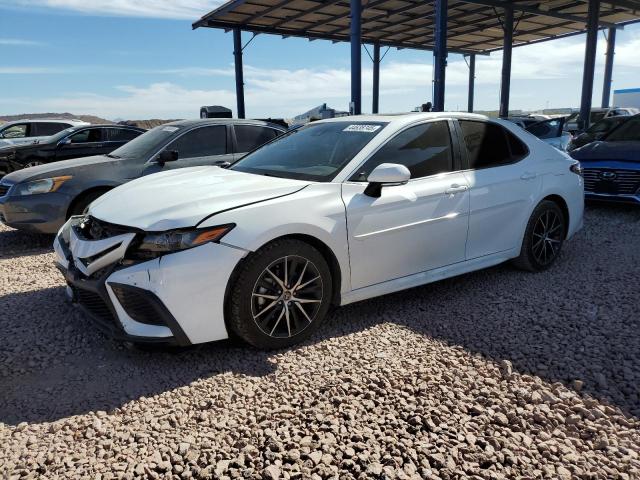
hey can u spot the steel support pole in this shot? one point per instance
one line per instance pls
(472, 81)
(237, 55)
(505, 84)
(440, 55)
(589, 63)
(376, 78)
(608, 67)
(356, 57)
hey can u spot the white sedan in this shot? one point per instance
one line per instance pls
(335, 212)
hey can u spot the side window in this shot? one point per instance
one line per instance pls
(424, 149)
(44, 129)
(201, 142)
(546, 129)
(120, 134)
(251, 137)
(490, 145)
(16, 131)
(91, 135)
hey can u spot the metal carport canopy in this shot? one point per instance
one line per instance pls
(472, 26)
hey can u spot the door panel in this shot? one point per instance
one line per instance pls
(500, 199)
(154, 167)
(410, 229)
(200, 146)
(84, 143)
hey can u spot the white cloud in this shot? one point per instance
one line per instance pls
(541, 73)
(28, 70)
(174, 9)
(20, 42)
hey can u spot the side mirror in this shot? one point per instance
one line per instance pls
(167, 156)
(65, 141)
(386, 174)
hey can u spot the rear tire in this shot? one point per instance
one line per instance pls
(82, 202)
(543, 238)
(281, 295)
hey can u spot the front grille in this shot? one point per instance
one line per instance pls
(94, 304)
(4, 189)
(611, 181)
(93, 229)
(137, 305)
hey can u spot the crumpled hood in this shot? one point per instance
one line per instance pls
(56, 168)
(182, 198)
(615, 151)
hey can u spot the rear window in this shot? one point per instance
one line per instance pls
(44, 129)
(250, 137)
(121, 134)
(490, 145)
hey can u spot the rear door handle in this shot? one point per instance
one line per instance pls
(528, 176)
(455, 188)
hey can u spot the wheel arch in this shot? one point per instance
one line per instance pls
(85, 193)
(564, 207)
(322, 247)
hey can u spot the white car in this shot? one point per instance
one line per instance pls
(337, 211)
(24, 132)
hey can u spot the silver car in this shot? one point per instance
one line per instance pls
(21, 132)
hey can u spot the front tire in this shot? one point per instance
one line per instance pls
(281, 295)
(81, 204)
(543, 238)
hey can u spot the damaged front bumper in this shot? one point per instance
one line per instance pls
(177, 299)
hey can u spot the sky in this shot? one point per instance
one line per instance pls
(139, 59)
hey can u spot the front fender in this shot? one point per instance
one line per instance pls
(317, 211)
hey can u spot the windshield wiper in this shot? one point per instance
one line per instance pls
(111, 155)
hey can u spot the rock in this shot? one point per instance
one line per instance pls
(506, 368)
(272, 472)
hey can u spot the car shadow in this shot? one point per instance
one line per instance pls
(54, 364)
(16, 243)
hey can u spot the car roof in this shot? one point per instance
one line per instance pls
(45, 120)
(406, 118)
(221, 121)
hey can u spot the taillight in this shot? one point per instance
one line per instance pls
(576, 168)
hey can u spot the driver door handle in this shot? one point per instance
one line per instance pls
(528, 175)
(455, 188)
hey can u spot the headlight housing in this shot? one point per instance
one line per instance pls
(152, 245)
(44, 185)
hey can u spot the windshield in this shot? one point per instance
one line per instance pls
(627, 132)
(317, 151)
(148, 143)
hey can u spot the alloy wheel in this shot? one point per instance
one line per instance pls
(287, 296)
(547, 237)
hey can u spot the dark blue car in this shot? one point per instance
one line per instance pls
(612, 166)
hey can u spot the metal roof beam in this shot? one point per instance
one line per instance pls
(320, 6)
(536, 11)
(322, 36)
(629, 4)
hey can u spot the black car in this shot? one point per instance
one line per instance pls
(42, 198)
(73, 142)
(597, 131)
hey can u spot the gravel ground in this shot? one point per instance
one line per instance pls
(497, 374)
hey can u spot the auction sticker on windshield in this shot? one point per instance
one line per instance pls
(362, 128)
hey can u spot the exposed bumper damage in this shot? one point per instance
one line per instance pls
(152, 301)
